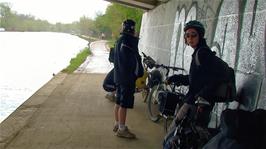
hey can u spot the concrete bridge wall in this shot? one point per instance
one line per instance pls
(235, 29)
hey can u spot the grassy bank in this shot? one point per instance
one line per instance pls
(77, 61)
(111, 43)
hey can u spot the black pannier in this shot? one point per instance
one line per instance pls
(108, 83)
(168, 102)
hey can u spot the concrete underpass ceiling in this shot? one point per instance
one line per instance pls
(142, 4)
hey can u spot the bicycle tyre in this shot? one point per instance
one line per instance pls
(153, 104)
(145, 94)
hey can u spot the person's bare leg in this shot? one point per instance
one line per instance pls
(180, 114)
(123, 131)
(183, 111)
(122, 116)
(116, 110)
(117, 107)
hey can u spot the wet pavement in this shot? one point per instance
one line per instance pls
(97, 62)
(70, 112)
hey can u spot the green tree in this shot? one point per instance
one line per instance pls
(117, 13)
(101, 26)
(12, 21)
(86, 26)
(110, 22)
(5, 14)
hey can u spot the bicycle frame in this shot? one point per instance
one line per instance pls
(152, 99)
(188, 133)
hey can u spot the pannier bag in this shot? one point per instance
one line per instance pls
(141, 81)
(168, 102)
(108, 83)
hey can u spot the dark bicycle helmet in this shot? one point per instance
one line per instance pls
(129, 26)
(196, 25)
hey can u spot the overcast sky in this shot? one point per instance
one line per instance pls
(64, 11)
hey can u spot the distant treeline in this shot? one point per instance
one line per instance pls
(109, 23)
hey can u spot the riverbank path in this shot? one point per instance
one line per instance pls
(70, 112)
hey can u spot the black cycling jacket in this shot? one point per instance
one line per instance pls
(126, 59)
(203, 79)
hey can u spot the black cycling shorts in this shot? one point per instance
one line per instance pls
(125, 96)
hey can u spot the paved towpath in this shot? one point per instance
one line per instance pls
(70, 112)
(97, 62)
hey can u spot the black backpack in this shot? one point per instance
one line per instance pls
(226, 91)
(108, 82)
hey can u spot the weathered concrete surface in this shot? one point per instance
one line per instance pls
(235, 29)
(70, 111)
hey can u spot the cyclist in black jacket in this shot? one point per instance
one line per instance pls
(127, 67)
(204, 75)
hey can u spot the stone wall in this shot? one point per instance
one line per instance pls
(235, 29)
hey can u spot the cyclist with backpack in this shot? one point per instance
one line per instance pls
(210, 80)
(206, 72)
(127, 68)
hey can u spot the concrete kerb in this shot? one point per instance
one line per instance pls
(19, 119)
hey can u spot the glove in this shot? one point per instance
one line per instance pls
(175, 79)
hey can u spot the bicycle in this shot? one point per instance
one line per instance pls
(189, 132)
(158, 86)
(150, 78)
(148, 63)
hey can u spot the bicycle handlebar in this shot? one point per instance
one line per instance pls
(153, 64)
(168, 67)
(144, 54)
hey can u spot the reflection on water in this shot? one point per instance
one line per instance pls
(27, 62)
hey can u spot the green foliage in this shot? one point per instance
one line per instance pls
(101, 25)
(86, 26)
(114, 16)
(12, 21)
(5, 14)
(111, 43)
(77, 61)
(108, 23)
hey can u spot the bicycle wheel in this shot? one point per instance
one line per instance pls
(153, 104)
(145, 93)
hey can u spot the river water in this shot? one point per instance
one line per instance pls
(28, 60)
